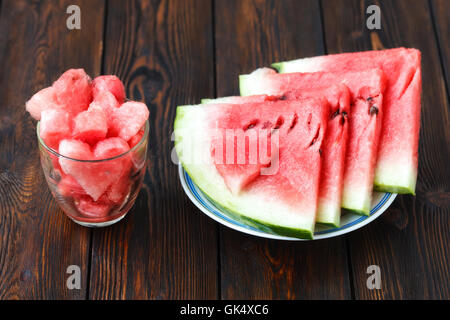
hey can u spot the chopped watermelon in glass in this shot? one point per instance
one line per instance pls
(92, 144)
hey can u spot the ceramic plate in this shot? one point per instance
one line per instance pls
(349, 222)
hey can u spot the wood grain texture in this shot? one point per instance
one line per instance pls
(250, 34)
(254, 33)
(441, 15)
(165, 248)
(173, 52)
(410, 241)
(38, 242)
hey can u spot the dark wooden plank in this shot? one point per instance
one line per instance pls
(37, 242)
(256, 268)
(165, 248)
(441, 15)
(409, 242)
(250, 34)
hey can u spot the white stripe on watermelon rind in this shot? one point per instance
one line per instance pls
(328, 213)
(384, 181)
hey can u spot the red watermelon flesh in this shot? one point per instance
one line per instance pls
(73, 91)
(75, 149)
(396, 168)
(334, 145)
(106, 102)
(120, 186)
(128, 119)
(109, 148)
(42, 100)
(68, 186)
(118, 190)
(54, 126)
(366, 91)
(93, 177)
(299, 127)
(109, 83)
(90, 126)
(92, 209)
(239, 155)
(136, 138)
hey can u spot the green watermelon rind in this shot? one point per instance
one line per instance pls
(393, 189)
(258, 224)
(279, 66)
(364, 212)
(264, 226)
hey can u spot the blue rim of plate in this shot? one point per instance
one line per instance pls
(205, 204)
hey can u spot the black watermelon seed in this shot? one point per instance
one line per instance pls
(335, 114)
(294, 121)
(373, 110)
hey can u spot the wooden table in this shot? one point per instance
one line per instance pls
(176, 52)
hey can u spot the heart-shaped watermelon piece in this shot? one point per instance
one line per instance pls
(94, 177)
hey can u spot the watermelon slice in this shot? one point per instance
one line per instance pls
(396, 167)
(283, 198)
(334, 146)
(366, 90)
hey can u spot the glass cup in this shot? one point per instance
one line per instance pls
(95, 193)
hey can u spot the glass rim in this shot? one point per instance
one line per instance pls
(42, 142)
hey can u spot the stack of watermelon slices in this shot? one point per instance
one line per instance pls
(89, 120)
(368, 139)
